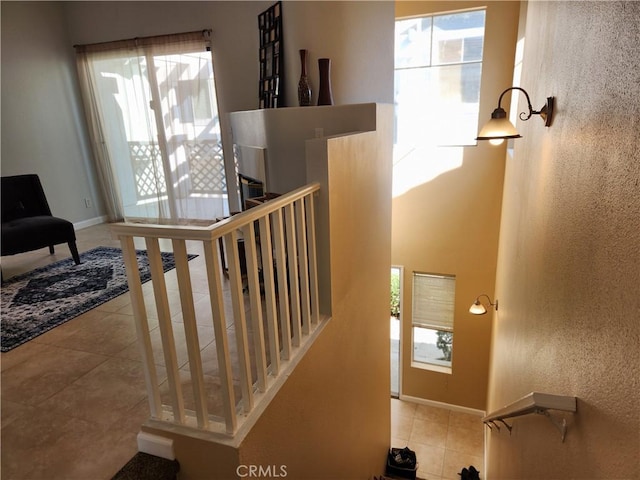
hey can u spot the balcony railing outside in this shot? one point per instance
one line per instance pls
(269, 290)
(203, 160)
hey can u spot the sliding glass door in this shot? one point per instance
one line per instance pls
(394, 330)
(159, 122)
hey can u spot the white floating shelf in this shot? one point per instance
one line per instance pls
(535, 402)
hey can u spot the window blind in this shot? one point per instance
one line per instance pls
(433, 301)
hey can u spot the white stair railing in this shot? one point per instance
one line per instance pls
(262, 281)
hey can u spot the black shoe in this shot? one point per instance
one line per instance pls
(403, 457)
(473, 473)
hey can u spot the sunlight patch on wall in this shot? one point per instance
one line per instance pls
(415, 166)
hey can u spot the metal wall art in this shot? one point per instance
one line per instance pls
(271, 85)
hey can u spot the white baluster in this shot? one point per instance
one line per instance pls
(269, 294)
(166, 329)
(294, 281)
(142, 325)
(191, 331)
(253, 282)
(303, 265)
(220, 329)
(240, 321)
(313, 261)
(283, 287)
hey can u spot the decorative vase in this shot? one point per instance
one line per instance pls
(325, 97)
(304, 89)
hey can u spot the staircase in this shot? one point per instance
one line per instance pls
(148, 467)
(309, 313)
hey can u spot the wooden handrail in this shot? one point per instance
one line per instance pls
(218, 229)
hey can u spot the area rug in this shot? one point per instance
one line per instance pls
(35, 302)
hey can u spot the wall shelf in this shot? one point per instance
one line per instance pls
(535, 402)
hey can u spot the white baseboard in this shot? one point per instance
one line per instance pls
(156, 445)
(90, 223)
(448, 406)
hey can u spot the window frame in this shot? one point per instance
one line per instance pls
(422, 317)
(433, 68)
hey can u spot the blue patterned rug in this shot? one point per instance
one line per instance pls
(35, 302)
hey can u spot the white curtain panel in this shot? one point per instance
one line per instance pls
(153, 119)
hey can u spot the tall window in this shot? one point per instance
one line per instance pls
(433, 311)
(438, 65)
(155, 128)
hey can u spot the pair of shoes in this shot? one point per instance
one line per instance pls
(469, 473)
(403, 457)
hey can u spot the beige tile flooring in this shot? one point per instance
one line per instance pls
(73, 399)
(444, 440)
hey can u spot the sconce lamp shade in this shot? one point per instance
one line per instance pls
(500, 128)
(478, 308)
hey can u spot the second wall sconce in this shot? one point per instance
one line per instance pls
(500, 128)
(478, 308)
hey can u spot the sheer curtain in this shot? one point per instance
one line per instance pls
(154, 125)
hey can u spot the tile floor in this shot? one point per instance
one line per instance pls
(73, 399)
(445, 441)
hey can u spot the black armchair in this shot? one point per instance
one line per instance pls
(27, 223)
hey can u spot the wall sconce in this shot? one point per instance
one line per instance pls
(499, 127)
(479, 308)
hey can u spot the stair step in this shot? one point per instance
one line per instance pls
(148, 467)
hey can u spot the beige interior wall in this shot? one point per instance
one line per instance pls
(451, 223)
(354, 35)
(42, 117)
(568, 272)
(332, 417)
